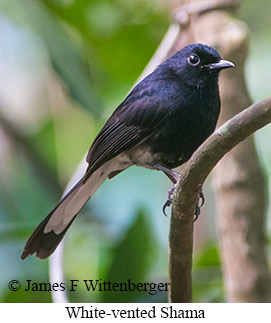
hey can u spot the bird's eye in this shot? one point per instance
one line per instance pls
(193, 60)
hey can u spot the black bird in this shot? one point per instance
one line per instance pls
(158, 126)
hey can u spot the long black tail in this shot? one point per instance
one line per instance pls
(44, 244)
(48, 234)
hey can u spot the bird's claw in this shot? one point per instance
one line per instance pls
(170, 199)
(199, 205)
(201, 197)
(167, 204)
(197, 213)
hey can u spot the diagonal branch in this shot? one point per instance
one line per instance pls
(193, 176)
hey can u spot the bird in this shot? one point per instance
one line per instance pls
(159, 125)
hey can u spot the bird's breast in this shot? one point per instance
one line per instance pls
(183, 132)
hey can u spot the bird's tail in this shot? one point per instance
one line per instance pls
(51, 230)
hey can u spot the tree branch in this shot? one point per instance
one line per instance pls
(193, 176)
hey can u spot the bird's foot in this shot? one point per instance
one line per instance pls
(200, 203)
(170, 198)
(170, 201)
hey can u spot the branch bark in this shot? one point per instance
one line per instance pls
(239, 181)
(193, 176)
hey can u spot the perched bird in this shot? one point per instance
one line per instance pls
(159, 125)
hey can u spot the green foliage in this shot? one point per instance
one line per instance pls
(65, 54)
(131, 258)
(207, 277)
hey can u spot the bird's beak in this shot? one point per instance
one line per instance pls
(219, 65)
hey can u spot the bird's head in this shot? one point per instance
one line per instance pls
(197, 64)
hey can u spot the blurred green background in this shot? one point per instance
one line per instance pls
(64, 67)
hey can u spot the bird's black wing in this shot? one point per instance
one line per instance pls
(133, 122)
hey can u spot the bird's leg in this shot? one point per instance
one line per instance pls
(174, 177)
(199, 205)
